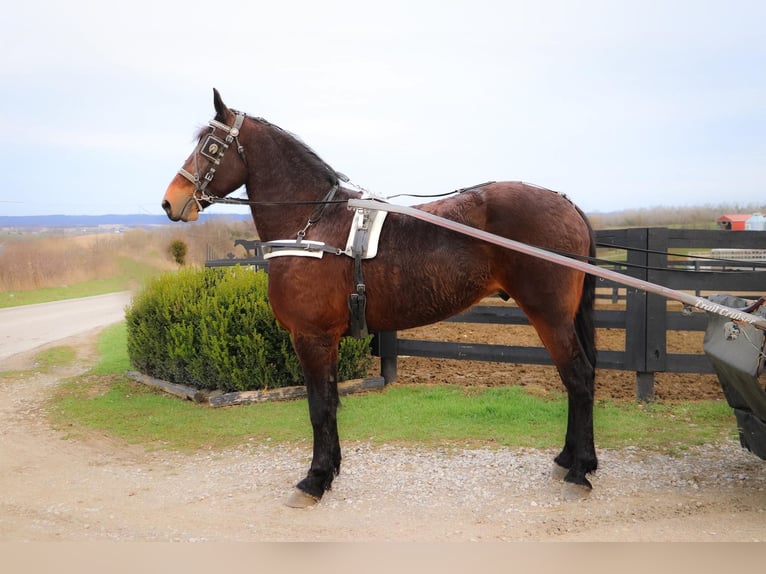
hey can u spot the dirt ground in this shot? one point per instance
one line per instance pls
(57, 488)
(609, 383)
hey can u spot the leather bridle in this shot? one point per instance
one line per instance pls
(213, 148)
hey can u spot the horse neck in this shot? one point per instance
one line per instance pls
(283, 170)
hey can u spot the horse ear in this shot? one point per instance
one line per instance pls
(220, 107)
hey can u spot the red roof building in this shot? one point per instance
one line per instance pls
(732, 222)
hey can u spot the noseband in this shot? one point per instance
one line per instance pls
(213, 148)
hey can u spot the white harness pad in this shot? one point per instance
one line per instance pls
(305, 248)
(365, 230)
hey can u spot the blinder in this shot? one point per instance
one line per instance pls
(212, 147)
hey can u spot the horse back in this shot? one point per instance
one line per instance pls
(425, 273)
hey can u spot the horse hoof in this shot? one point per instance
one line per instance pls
(558, 472)
(300, 499)
(574, 492)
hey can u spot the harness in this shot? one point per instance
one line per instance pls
(362, 243)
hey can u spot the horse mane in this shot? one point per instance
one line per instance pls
(313, 157)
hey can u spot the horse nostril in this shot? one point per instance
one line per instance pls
(166, 206)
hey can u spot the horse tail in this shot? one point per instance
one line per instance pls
(585, 327)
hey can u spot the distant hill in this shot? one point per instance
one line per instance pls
(124, 220)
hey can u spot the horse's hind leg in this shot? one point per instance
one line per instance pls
(579, 453)
(578, 375)
(319, 357)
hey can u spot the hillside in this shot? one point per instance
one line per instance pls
(700, 216)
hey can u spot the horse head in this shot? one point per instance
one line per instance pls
(209, 172)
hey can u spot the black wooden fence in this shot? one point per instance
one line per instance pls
(253, 256)
(646, 318)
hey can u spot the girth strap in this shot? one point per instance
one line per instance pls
(357, 301)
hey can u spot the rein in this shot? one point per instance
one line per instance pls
(244, 201)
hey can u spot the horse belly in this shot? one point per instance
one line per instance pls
(402, 297)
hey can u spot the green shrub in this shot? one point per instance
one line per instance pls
(214, 329)
(178, 251)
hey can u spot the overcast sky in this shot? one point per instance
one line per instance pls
(618, 104)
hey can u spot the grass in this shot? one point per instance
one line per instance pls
(113, 351)
(140, 416)
(55, 356)
(46, 360)
(104, 400)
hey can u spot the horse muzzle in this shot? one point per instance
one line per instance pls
(180, 204)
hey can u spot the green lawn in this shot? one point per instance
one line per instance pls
(104, 400)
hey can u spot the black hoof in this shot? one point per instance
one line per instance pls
(572, 478)
(315, 484)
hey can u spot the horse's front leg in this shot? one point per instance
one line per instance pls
(319, 359)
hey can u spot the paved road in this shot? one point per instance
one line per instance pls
(29, 326)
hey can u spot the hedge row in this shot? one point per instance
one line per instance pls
(214, 329)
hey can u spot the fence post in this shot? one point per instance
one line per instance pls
(637, 315)
(656, 306)
(384, 345)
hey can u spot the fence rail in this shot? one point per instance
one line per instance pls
(253, 256)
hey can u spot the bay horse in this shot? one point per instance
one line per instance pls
(421, 274)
